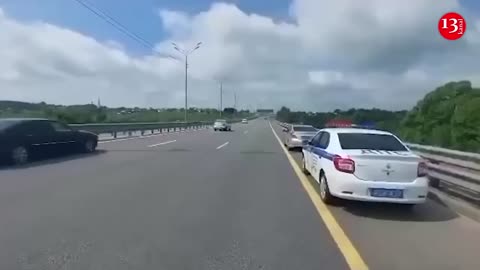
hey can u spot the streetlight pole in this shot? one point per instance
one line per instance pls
(185, 53)
(221, 98)
(235, 100)
(186, 88)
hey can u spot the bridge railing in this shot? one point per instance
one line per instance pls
(454, 172)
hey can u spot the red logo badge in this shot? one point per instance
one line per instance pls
(452, 26)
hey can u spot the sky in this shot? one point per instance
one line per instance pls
(312, 55)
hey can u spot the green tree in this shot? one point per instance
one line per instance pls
(448, 117)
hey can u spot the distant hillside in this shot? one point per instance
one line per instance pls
(70, 114)
(89, 113)
(6, 105)
(384, 119)
(448, 117)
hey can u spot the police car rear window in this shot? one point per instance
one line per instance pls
(370, 141)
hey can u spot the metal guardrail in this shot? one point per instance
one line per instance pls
(454, 172)
(129, 128)
(153, 127)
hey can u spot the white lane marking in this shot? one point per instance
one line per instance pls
(245, 132)
(223, 145)
(162, 143)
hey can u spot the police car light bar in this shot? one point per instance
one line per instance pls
(339, 123)
(363, 127)
(346, 124)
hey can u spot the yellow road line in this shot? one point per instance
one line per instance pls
(350, 253)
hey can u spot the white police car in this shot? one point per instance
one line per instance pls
(365, 165)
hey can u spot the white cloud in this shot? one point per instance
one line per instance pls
(331, 54)
(325, 78)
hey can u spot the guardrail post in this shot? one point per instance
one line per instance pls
(434, 182)
(114, 134)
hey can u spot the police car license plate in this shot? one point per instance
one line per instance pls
(386, 193)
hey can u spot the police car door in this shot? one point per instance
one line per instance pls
(322, 148)
(308, 151)
(315, 155)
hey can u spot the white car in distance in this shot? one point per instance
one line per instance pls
(221, 124)
(365, 165)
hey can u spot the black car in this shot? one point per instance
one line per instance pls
(22, 139)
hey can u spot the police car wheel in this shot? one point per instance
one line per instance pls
(304, 166)
(325, 194)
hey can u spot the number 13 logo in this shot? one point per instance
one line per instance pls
(452, 26)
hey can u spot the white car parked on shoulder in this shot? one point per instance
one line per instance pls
(365, 165)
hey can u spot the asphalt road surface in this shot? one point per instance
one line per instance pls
(209, 200)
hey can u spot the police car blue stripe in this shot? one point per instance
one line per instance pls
(322, 153)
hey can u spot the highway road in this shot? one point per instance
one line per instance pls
(210, 200)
